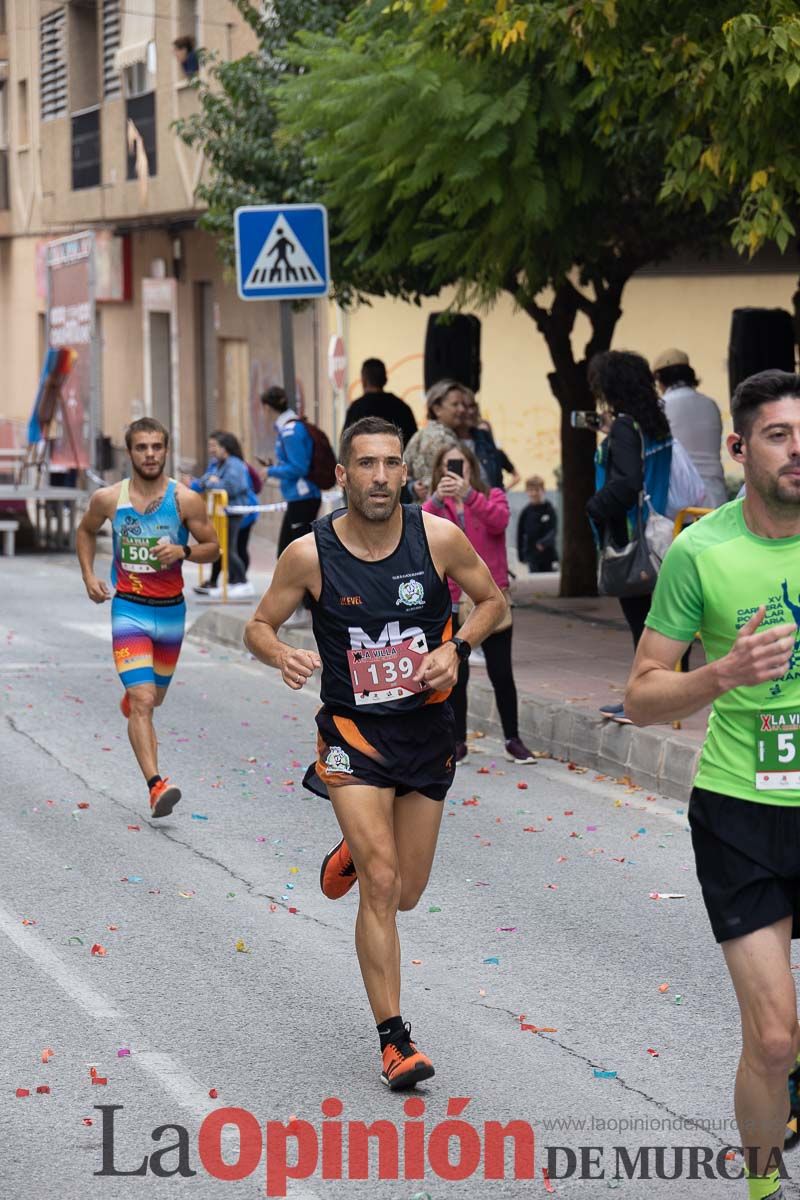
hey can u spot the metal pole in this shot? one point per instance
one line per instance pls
(287, 350)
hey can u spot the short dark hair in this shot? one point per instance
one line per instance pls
(757, 390)
(184, 43)
(676, 373)
(373, 373)
(145, 425)
(367, 425)
(276, 398)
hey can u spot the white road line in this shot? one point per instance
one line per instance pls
(167, 1071)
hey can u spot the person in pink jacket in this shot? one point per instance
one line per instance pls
(459, 494)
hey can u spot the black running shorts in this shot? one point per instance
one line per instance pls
(410, 752)
(748, 862)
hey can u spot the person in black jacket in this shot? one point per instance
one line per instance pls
(537, 528)
(377, 403)
(623, 384)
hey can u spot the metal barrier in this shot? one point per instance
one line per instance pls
(680, 519)
(216, 503)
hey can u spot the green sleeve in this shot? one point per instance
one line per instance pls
(677, 607)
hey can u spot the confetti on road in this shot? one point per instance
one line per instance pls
(663, 987)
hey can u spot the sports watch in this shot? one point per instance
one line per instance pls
(187, 551)
(463, 649)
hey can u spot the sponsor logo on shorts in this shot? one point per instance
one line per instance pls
(338, 760)
(410, 592)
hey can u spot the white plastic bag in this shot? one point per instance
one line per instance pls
(658, 535)
(686, 488)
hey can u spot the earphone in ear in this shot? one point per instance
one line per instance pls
(737, 447)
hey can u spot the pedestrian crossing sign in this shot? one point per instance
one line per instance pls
(281, 251)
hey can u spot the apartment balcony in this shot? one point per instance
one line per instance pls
(86, 153)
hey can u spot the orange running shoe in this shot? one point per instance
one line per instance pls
(163, 798)
(404, 1065)
(338, 872)
(125, 706)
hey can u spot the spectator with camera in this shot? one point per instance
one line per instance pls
(635, 457)
(460, 494)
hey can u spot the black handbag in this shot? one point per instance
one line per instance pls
(629, 571)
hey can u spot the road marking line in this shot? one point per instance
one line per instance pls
(166, 1070)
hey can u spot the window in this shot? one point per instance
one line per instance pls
(86, 150)
(83, 56)
(53, 59)
(189, 20)
(141, 112)
(112, 83)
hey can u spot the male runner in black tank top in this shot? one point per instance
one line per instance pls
(376, 573)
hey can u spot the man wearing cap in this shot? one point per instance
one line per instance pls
(694, 420)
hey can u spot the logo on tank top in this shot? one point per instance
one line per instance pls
(131, 526)
(338, 760)
(410, 593)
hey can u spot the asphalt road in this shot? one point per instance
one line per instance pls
(539, 907)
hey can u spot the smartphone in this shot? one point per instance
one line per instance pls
(585, 420)
(455, 466)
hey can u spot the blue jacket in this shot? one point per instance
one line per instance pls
(200, 485)
(626, 463)
(232, 474)
(294, 450)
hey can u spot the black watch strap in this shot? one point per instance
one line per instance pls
(187, 551)
(463, 649)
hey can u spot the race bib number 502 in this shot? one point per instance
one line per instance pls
(778, 751)
(381, 673)
(137, 554)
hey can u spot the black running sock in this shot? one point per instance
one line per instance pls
(390, 1031)
(151, 783)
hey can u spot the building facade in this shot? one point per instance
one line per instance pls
(89, 91)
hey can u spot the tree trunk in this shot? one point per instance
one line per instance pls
(570, 387)
(578, 555)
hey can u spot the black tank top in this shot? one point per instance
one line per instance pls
(374, 621)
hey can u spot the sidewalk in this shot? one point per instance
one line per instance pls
(570, 655)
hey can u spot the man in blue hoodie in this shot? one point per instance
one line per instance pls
(294, 449)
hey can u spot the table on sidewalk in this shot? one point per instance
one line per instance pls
(48, 502)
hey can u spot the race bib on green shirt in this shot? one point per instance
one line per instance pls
(778, 750)
(137, 554)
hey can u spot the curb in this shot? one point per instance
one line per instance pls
(649, 757)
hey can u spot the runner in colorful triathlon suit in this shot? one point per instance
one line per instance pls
(152, 517)
(381, 614)
(734, 576)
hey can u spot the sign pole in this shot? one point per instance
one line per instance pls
(287, 351)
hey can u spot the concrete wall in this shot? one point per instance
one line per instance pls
(692, 311)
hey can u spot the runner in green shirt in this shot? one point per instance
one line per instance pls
(734, 577)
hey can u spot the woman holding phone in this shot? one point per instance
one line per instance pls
(459, 494)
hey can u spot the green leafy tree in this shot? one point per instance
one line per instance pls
(470, 150)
